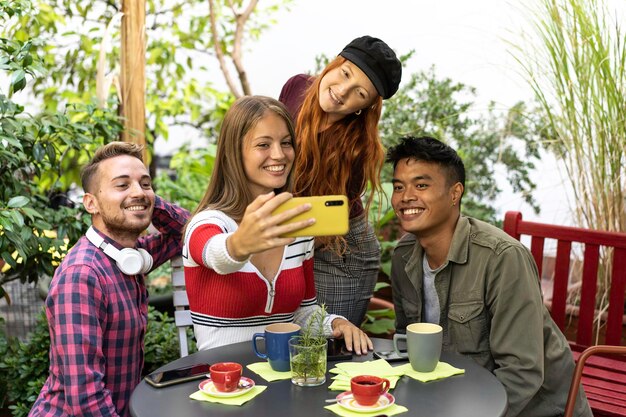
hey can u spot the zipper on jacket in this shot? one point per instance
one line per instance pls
(270, 297)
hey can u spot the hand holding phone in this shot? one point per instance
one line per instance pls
(161, 379)
(330, 213)
(260, 230)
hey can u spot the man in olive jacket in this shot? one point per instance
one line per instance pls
(475, 281)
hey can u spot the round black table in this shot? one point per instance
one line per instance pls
(476, 393)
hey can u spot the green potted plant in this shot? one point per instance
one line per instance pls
(307, 352)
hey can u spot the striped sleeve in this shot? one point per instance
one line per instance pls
(205, 241)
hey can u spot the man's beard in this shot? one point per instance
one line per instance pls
(120, 227)
(132, 230)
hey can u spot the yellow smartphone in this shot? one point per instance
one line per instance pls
(330, 213)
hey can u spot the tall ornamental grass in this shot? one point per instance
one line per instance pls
(575, 65)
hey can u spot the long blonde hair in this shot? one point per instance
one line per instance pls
(228, 189)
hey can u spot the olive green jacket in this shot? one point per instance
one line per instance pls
(492, 310)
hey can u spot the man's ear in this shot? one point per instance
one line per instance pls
(457, 192)
(91, 203)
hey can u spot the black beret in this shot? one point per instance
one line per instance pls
(378, 61)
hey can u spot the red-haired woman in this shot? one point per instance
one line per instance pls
(340, 152)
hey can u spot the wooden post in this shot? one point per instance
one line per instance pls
(132, 80)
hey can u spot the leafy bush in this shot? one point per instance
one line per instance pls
(380, 322)
(26, 364)
(161, 342)
(193, 170)
(486, 141)
(39, 157)
(4, 349)
(159, 281)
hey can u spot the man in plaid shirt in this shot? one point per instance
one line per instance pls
(97, 314)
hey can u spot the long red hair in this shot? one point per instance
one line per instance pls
(347, 154)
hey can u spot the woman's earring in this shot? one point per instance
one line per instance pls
(358, 112)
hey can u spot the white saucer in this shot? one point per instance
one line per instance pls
(245, 385)
(347, 401)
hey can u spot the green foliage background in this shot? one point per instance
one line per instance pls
(492, 144)
(25, 366)
(35, 148)
(179, 51)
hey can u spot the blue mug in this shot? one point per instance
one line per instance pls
(276, 337)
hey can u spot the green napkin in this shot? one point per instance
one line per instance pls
(391, 411)
(267, 373)
(443, 370)
(342, 382)
(379, 367)
(238, 400)
(346, 370)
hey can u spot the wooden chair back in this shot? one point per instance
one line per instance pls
(592, 240)
(182, 315)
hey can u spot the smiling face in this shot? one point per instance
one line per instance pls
(122, 199)
(425, 203)
(268, 154)
(344, 90)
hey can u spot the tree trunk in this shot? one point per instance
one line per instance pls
(133, 83)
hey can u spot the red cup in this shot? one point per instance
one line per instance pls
(226, 375)
(367, 389)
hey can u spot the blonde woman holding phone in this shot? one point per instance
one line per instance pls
(241, 275)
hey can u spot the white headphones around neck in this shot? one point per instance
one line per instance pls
(130, 261)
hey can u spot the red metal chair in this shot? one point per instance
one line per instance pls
(605, 381)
